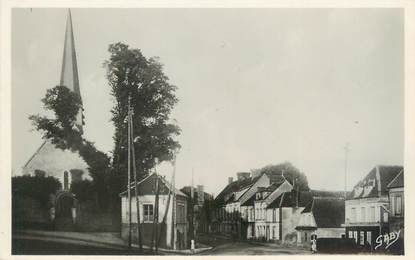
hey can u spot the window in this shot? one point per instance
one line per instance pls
(273, 215)
(350, 234)
(65, 180)
(372, 214)
(362, 238)
(398, 205)
(273, 232)
(180, 213)
(369, 237)
(363, 212)
(148, 212)
(305, 236)
(353, 216)
(355, 235)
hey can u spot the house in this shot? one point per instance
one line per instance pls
(147, 201)
(228, 213)
(235, 208)
(263, 217)
(200, 207)
(321, 218)
(397, 211)
(284, 212)
(367, 206)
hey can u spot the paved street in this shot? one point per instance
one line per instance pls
(225, 246)
(246, 248)
(74, 243)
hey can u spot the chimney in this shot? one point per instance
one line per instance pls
(242, 175)
(230, 180)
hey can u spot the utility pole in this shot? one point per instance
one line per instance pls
(192, 207)
(128, 172)
(154, 239)
(135, 181)
(174, 204)
(346, 151)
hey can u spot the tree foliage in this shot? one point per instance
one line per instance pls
(36, 187)
(291, 173)
(130, 74)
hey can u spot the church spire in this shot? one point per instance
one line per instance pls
(69, 74)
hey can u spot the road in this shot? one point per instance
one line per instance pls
(246, 248)
(223, 246)
(74, 243)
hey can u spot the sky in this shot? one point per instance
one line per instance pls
(255, 86)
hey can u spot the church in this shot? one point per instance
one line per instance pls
(65, 165)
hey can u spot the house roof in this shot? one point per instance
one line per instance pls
(226, 194)
(375, 182)
(147, 187)
(328, 212)
(276, 177)
(397, 182)
(289, 199)
(187, 190)
(250, 201)
(325, 193)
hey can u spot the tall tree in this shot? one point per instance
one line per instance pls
(130, 74)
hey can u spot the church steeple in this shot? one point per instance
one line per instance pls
(69, 74)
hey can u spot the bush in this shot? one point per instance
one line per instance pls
(36, 187)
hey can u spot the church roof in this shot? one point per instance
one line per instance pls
(69, 73)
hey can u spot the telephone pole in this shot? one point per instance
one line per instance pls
(174, 204)
(346, 151)
(135, 180)
(129, 172)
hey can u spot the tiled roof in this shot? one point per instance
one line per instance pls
(397, 182)
(369, 186)
(328, 212)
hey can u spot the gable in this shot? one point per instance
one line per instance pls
(54, 161)
(147, 186)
